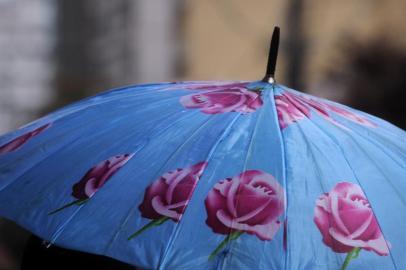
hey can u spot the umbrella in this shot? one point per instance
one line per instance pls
(212, 175)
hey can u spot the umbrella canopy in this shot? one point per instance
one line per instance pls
(199, 175)
(211, 175)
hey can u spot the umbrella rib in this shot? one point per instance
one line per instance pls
(208, 158)
(201, 126)
(58, 230)
(176, 228)
(62, 227)
(230, 244)
(380, 147)
(324, 189)
(211, 152)
(67, 111)
(349, 133)
(57, 150)
(284, 169)
(355, 176)
(61, 113)
(373, 130)
(133, 209)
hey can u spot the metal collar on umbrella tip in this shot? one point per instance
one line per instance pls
(272, 56)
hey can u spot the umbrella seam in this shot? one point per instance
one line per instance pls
(357, 179)
(382, 123)
(213, 148)
(379, 146)
(63, 111)
(338, 259)
(313, 157)
(133, 209)
(130, 212)
(230, 244)
(53, 153)
(59, 230)
(284, 169)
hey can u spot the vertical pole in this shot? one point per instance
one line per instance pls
(272, 56)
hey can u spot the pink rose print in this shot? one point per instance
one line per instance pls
(94, 179)
(168, 196)
(207, 85)
(19, 141)
(351, 116)
(292, 108)
(223, 98)
(347, 223)
(289, 111)
(248, 203)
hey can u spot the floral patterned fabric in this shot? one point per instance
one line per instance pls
(212, 175)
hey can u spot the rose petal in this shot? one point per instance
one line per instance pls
(184, 190)
(346, 189)
(345, 239)
(112, 166)
(323, 223)
(264, 232)
(90, 187)
(252, 201)
(182, 182)
(163, 210)
(97, 176)
(22, 139)
(324, 202)
(352, 116)
(336, 214)
(321, 218)
(224, 186)
(362, 228)
(234, 99)
(231, 197)
(173, 182)
(356, 220)
(156, 189)
(251, 204)
(379, 246)
(215, 202)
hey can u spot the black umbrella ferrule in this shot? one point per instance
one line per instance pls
(272, 56)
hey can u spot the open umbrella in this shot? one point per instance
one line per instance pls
(212, 175)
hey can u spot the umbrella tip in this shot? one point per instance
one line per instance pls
(272, 56)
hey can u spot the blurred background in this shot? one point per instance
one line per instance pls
(53, 52)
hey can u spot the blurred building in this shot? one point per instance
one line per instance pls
(56, 52)
(106, 44)
(27, 36)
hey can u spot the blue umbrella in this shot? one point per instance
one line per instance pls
(212, 175)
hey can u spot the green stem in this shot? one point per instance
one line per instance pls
(77, 202)
(230, 237)
(351, 255)
(154, 222)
